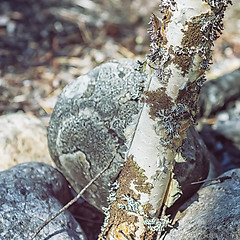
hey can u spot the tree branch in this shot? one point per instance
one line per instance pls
(181, 51)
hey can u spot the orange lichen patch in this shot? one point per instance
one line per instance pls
(157, 100)
(128, 231)
(146, 208)
(166, 21)
(189, 96)
(131, 171)
(119, 221)
(198, 38)
(150, 235)
(194, 35)
(156, 29)
(182, 133)
(122, 231)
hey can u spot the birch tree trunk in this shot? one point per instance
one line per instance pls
(181, 46)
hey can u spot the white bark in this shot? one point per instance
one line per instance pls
(150, 155)
(180, 54)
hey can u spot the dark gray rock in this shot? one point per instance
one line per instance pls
(222, 137)
(30, 193)
(229, 129)
(218, 92)
(94, 121)
(196, 167)
(212, 213)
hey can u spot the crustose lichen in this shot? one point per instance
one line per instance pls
(154, 224)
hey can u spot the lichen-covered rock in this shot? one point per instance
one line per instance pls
(30, 193)
(212, 213)
(94, 121)
(22, 138)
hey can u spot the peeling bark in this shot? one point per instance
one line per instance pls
(181, 47)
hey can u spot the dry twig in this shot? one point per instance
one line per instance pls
(221, 179)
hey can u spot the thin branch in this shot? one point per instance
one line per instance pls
(221, 179)
(72, 201)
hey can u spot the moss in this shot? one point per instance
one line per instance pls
(182, 58)
(183, 61)
(190, 94)
(201, 31)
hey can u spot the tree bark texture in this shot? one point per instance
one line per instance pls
(181, 47)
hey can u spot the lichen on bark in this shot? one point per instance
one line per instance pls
(126, 208)
(180, 53)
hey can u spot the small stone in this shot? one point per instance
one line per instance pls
(22, 138)
(30, 193)
(212, 213)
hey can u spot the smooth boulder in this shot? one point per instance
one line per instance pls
(30, 193)
(212, 213)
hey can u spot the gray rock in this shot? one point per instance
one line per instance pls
(212, 213)
(217, 92)
(90, 122)
(230, 130)
(30, 193)
(196, 167)
(94, 121)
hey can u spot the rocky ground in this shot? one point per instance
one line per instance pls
(47, 44)
(44, 45)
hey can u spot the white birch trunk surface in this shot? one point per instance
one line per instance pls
(181, 48)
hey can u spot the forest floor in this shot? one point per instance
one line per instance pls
(48, 43)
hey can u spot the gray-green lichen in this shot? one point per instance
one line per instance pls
(199, 35)
(95, 116)
(158, 224)
(154, 224)
(131, 206)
